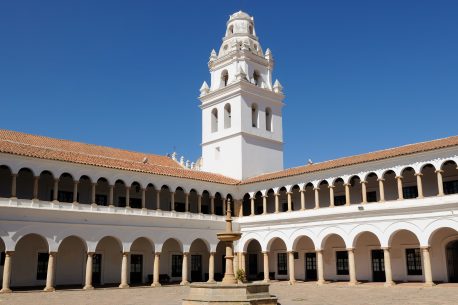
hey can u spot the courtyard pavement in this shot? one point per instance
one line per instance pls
(301, 293)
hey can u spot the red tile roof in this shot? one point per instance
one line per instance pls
(23, 144)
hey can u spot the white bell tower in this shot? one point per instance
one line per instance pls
(241, 110)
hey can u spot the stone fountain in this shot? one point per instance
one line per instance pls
(229, 291)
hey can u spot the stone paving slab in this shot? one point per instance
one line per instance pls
(301, 293)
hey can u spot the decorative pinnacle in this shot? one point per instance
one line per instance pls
(204, 89)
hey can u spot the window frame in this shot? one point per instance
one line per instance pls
(342, 265)
(414, 264)
(282, 263)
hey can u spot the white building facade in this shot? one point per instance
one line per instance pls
(73, 214)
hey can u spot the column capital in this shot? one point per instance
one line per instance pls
(212, 252)
(350, 249)
(157, 253)
(418, 174)
(439, 171)
(346, 184)
(265, 196)
(363, 182)
(291, 251)
(425, 248)
(76, 181)
(276, 194)
(185, 253)
(125, 253)
(316, 188)
(90, 253)
(302, 190)
(289, 193)
(331, 186)
(9, 253)
(56, 179)
(265, 252)
(385, 248)
(319, 250)
(52, 253)
(399, 177)
(381, 179)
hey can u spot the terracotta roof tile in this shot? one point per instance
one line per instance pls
(358, 159)
(19, 143)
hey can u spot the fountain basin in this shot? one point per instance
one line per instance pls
(256, 293)
(228, 236)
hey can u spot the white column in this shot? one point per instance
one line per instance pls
(440, 183)
(157, 257)
(419, 185)
(55, 190)
(211, 268)
(124, 270)
(88, 282)
(290, 205)
(50, 273)
(7, 272)
(199, 204)
(265, 255)
(427, 266)
(320, 267)
(75, 191)
(388, 270)
(317, 197)
(93, 193)
(302, 199)
(158, 200)
(13, 185)
(352, 266)
(143, 198)
(381, 188)
(36, 179)
(264, 204)
(186, 202)
(399, 182)
(212, 205)
(252, 206)
(184, 270)
(364, 191)
(277, 203)
(347, 194)
(331, 196)
(292, 277)
(243, 261)
(127, 196)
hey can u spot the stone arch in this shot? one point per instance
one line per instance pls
(328, 232)
(435, 226)
(297, 235)
(361, 229)
(85, 190)
(392, 230)
(25, 183)
(71, 261)
(270, 238)
(243, 244)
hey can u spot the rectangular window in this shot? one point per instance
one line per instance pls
(101, 199)
(282, 264)
(339, 200)
(42, 266)
(177, 261)
(64, 196)
(410, 192)
(342, 262)
(372, 196)
(413, 260)
(2, 258)
(451, 187)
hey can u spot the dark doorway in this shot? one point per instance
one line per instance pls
(97, 269)
(196, 268)
(378, 266)
(452, 261)
(310, 266)
(136, 268)
(252, 265)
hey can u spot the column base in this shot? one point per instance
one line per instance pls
(49, 289)
(292, 282)
(319, 283)
(211, 281)
(88, 287)
(429, 284)
(266, 280)
(122, 286)
(184, 283)
(389, 284)
(353, 283)
(156, 284)
(6, 290)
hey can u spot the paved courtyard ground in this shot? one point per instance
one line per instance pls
(301, 293)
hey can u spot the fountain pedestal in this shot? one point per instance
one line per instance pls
(229, 292)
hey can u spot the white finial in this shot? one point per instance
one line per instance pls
(145, 160)
(268, 55)
(182, 160)
(187, 163)
(310, 162)
(174, 156)
(278, 88)
(204, 89)
(193, 165)
(213, 55)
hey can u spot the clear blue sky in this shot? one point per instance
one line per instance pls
(358, 75)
